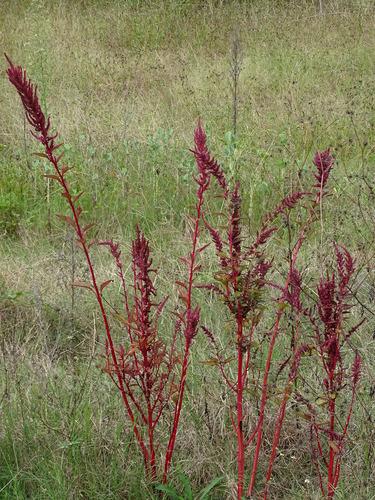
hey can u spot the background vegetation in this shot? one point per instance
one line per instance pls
(124, 83)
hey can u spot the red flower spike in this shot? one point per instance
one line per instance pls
(30, 102)
(207, 165)
(324, 163)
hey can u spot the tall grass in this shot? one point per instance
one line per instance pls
(161, 80)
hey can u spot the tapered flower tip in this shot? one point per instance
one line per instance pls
(324, 163)
(192, 324)
(357, 369)
(200, 137)
(9, 61)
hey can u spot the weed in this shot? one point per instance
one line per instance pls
(148, 366)
(331, 336)
(188, 493)
(151, 373)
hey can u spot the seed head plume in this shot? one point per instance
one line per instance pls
(192, 324)
(141, 267)
(324, 163)
(356, 372)
(206, 163)
(30, 102)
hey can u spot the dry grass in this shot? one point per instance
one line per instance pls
(114, 71)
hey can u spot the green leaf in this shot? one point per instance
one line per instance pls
(171, 492)
(188, 492)
(264, 188)
(203, 494)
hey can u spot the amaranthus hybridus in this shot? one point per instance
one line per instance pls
(145, 366)
(150, 370)
(37, 120)
(331, 336)
(240, 283)
(144, 371)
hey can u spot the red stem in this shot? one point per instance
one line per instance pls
(239, 431)
(331, 464)
(185, 363)
(53, 160)
(272, 344)
(281, 414)
(168, 455)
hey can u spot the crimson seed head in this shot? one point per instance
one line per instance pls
(141, 267)
(114, 247)
(206, 164)
(191, 329)
(345, 266)
(200, 138)
(29, 98)
(356, 369)
(287, 203)
(327, 303)
(324, 163)
(294, 291)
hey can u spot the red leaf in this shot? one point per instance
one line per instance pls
(59, 157)
(78, 196)
(105, 369)
(184, 297)
(94, 242)
(179, 316)
(194, 221)
(78, 211)
(202, 248)
(181, 284)
(65, 169)
(122, 319)
(132, 350)
(103, 285)
(86, 228)
(66, 195)
(52, 176)
(67, 219)
(83, 284)
(57, 146)
(184, 259)
(42, 155)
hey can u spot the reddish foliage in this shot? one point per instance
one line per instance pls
(150, 374)
(332, 309)
(324, 163)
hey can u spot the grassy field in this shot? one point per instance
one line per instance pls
(124, 83)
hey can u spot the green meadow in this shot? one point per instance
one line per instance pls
(124, 83)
